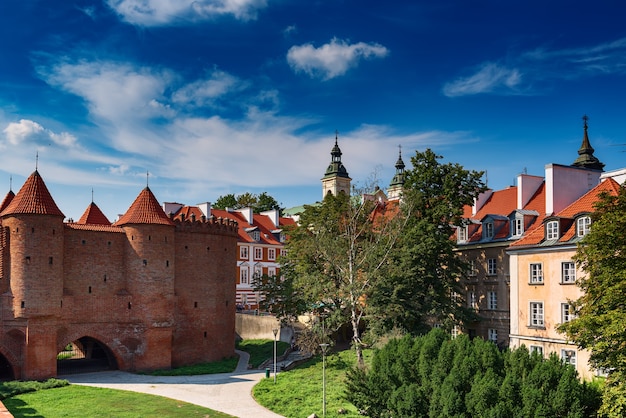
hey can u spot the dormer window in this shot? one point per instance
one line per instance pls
(518, 227)
(582, 226)
(552, 230)
(256, 235)
(489, 230)
(462, 233)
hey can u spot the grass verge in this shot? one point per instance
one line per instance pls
(223, 366)
(83, 401)
(298, 393)
(261, 350)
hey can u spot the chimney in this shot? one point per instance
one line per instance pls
(205, 208)
(247, 213)
(274, 216)
(527, 185)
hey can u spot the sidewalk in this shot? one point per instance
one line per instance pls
(230, 393)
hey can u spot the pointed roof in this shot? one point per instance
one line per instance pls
(145, 210)
(336, 167)
(33, 198)
(93, 216)
(7, 199)
(398, 179)
(586, 159)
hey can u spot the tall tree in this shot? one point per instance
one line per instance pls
(335, 254)
(258, 203)
(421, 283)
(226, 201)
(266, 202)
(601, 310)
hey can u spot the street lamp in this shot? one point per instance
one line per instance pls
(275, 331)
(324, 347)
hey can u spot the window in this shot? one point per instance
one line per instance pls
(582, 226)
(471, 300)
(283, 252)
(271, 254)
(569, 357)
(568, 272)
(492, 300)
(567, 313)
(491, 267)
(489, 230)
(518, 226)
(256, 235)
(454, 296)
(493, 335)
(271, 271)
(552, 230)
(258, 253)
(462, 233)
(536, 314)
(455, 331)
(471, 271)
(243, 275)
(536, 349)
(258, 271)
(243, 252)
(536, 273)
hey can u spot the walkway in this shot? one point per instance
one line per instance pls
(226, 392)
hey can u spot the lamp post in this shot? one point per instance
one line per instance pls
(275, 331)
(324, 347)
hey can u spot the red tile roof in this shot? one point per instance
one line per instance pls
(93, 216)
(33, 198)
(145, 210)
(7, 199)
(501, 202)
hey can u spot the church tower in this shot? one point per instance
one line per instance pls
(336, 178)
(397, 183)
(586, 159)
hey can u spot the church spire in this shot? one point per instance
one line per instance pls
(398, 179)
(336, 178)
(586, 159)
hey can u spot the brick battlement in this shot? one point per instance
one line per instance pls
(210, 225)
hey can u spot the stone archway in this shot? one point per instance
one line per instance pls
(85, 355)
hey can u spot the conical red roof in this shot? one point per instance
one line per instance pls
(33, 198)
(145, 210)
(93, 216)
(7, 199)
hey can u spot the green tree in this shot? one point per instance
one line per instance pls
(601, 311)
(226, 201)
(266, 202)
(334, 256)
(258, 203)
(418, 284)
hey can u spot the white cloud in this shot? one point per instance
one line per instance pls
(178, 12)
(332, 59)
(205, 92)
(29, 131)
(490, 78)
(541, 66)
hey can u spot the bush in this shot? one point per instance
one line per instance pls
(16, 387)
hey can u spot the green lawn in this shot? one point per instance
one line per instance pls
(298, 393)
(261, 350)
(83, 401)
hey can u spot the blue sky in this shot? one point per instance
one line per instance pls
(230, 96)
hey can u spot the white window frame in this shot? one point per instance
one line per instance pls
(243, 275)
(471, 272)
(567, 312)
(518, 227)
(583, 225)
(256, 235)
(536, 349)
(568, 272)
(535, 273)
(271, 271)
(492, 335)
(492, 300)
(258, 272)
(283, 252)
(488, 229)
(271, 254)
(552, 230)
(258, 253)
(492, 267)
(462, 233)
(568, 356)
(455, 331)
(243, 252)
(536, 314)
(472, 301)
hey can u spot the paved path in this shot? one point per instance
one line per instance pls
(225, 392)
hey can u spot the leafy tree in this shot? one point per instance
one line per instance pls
(601, 311)
(226, 201)
(266, 202)
(335, 254)
(424, 273)
(467, 378)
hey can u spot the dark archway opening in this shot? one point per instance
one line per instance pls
(6, 371)
(85, 355)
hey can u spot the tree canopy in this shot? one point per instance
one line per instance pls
(436, 376)
(259, 203)
(601, 310)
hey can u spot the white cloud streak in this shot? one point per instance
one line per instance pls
(529, 71)
(183, 12)
(18, 133)
(332, 59)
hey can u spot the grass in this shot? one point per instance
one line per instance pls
(298, 393)
(261, 350)
(83, 401)
(224, 366)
